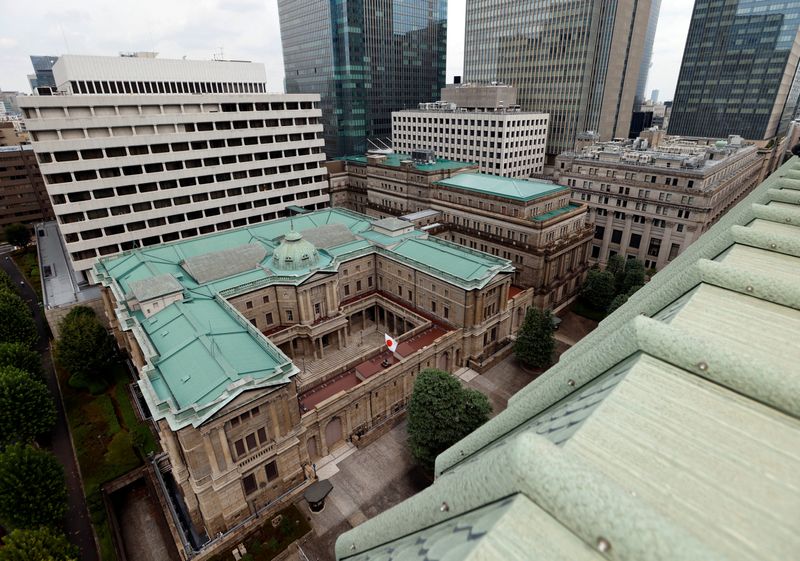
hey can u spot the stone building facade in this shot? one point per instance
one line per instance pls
(650, 202)
(260, 350)
(533, 224)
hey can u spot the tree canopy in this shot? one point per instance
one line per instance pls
(21, 356)
(598, 290)
(17, 325)
(26, 407)
(41, 544)
(17, 234)
(32, 489)
(84, 347)
(535, 342)
(440, 413)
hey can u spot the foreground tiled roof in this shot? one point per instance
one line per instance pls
(670, 432)
(201, 353)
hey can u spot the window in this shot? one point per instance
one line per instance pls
(248, 305)
(616, 236)
(317, 309)
(269, 318)
(239, 447)
(289, 315)
(636, 240)
(433, 307)
(358, 286)
(599, 232)
(347, 290)
(369, 281)
(272, 471)
(265, 299)
(673, 251)
(655, 247)
(249, 483)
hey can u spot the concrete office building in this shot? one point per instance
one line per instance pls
(574, 60)
(532, 224)
(739, 70)
(140, 151)
(651, 198)
(499, 137)
(23, 197)
(260, 350)
(365, 59)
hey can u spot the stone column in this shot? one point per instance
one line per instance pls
(226, 451)
(212, 458)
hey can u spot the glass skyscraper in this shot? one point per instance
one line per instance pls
(578, 60)
(647, 54)
(366, 58)
(739, 70)
(43, 72)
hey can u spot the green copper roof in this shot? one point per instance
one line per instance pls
(516, 189)
(201, 352)
(450, 259)
(557, 212)
(395, 159)
(670, 432)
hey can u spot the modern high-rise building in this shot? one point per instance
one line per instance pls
(140, 151)
(738, 74)
(365, 59)
(579, 60)
(654, 96)
(43, 72)
(647, 55)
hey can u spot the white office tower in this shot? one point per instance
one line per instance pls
(136, 151)
(478, 123)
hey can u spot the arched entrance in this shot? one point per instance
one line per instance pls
(333, 433)
(313, 451)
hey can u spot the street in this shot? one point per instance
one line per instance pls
(78, 525)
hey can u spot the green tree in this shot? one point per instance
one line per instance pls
(17, 325)
(21, 356)
(598, 290)
(6, 283)
(84, 347)
(26, 407)
(17, 234)
(41, 544)
(633, 276)
(536, 342)
(32, 489)
(440, 413)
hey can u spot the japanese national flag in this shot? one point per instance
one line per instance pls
(391, 343)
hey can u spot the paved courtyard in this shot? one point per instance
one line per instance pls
(375, 478)
(369, 481)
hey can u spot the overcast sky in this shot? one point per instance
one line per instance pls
(240, 29)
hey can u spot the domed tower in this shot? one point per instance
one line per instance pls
(295, 253)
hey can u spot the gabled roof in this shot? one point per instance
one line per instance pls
(670, 432)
